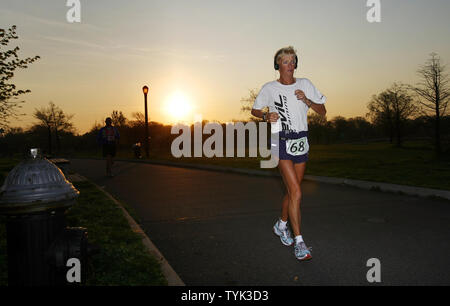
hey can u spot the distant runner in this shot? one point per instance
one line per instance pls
(289, 100)
(108, 136)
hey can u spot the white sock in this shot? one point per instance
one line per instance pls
(298, 239)
(282, 224)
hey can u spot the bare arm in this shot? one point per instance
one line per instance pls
(318, 108)
(257, 113)
(270, 117)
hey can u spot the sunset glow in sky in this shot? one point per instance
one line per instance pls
(203, 57)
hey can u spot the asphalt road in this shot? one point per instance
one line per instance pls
(215, 228)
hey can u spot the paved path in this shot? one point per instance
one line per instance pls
(215, 228)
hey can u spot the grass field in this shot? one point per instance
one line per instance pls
(412, 164)
(122, 258)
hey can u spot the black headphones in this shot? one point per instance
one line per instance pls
(275, 64)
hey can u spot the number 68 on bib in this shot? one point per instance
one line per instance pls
(297, 147)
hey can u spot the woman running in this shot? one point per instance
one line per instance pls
(289, 100)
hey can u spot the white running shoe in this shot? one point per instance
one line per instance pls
(285, 235)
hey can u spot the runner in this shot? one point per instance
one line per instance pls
(108, 136)
(288, 100)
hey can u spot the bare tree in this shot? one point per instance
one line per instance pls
(139, 119)
(52, 117)
(61, 123)
(46, 119)
(96, 127)
(118, 118)
(433, 92)
(247, 102)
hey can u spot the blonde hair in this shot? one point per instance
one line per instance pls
(282, 52)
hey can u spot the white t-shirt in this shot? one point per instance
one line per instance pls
(282, 99)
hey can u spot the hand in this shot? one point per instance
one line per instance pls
(272, 117)
(301, 96)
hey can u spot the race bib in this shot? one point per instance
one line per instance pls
(110, 136)
(297, 147)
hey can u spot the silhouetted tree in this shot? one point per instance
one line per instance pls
(341, 128)
(360, 127)
(247, 103)
(380, 112)
(392, 108)
(52, 117)
(61, 123)
(434, 93)
(46, 120)
(9, 62)
(118, 118)
(318, 127)
(403, 108)
(139, 119)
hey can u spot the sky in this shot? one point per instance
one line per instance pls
(203, 56)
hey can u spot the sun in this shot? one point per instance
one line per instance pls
(178, 106)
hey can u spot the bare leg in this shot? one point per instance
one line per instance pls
(285, 208)
(300, 172)
(289, 175)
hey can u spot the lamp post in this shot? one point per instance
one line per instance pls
(145, 90)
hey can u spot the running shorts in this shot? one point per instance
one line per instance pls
(291, 146)
(109, 149)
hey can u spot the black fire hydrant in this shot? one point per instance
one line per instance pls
(41, 249)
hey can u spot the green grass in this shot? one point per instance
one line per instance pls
(122, 258)
(412, 164)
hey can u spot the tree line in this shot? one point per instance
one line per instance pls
(58, 136)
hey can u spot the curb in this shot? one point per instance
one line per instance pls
(169, 273)
(384, 187)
